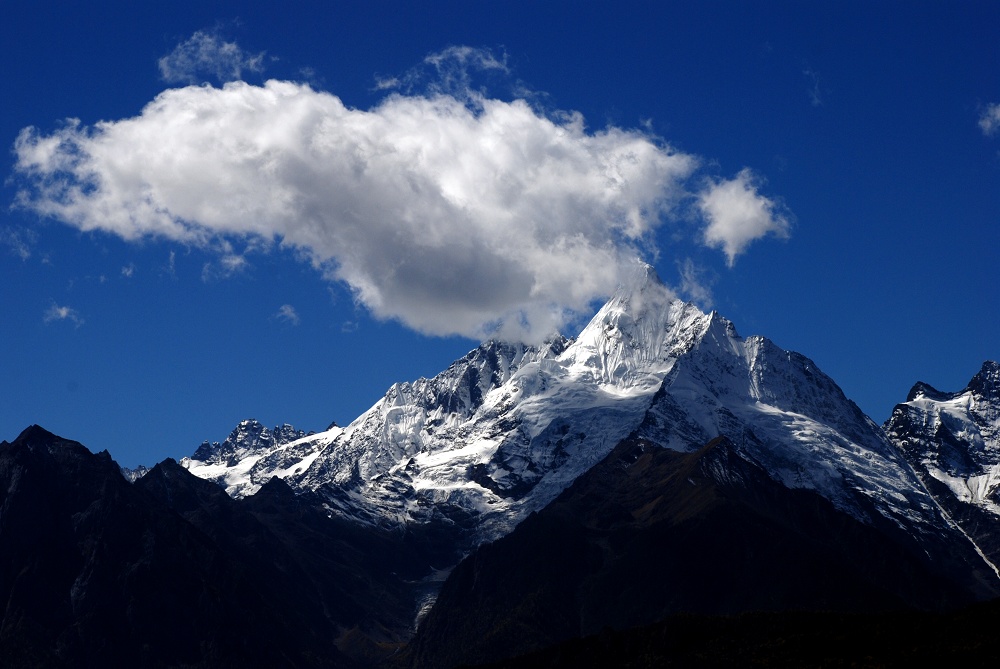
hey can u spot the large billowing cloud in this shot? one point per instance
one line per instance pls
(451, 212)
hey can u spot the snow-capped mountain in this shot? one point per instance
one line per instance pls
(503, 431)
(784, 413)
(227, 463)
(953, 442)
(495, 436)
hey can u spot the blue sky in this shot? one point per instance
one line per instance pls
(824, 174)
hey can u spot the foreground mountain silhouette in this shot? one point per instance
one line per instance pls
(649, 533)
(171, 572)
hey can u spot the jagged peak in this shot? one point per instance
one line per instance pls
(720, 324)
(986, 384)
(987, 381)
(921, 389)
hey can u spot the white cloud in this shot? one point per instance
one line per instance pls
(128, 270)
(989, 120)
(738, 214)
(445, 215)
(207, 56)
(57, 313)
(288, 314)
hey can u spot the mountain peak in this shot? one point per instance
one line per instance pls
(987, 382)
(921, 389)
(640, 280)
(33, 434)
(633, 338)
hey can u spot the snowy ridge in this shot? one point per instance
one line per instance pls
(954, 438)
(504, 430)
(784, 413)
(229, 463)
(498, 434)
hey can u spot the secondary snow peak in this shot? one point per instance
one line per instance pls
(986, 383)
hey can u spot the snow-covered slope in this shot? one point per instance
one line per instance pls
(954, 438)
(785, 414)
(504, 430)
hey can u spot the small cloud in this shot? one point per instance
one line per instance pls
(310, 75)
(989, 120)
(57, 313)
(738, 215)
(349, 326)
(387, 83)
(227, 266)
(207, 56)
(128, 270)
(288, 314)
(695, 286)
(233, 263)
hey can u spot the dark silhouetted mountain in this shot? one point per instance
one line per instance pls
(96, 572)
(651, 532)
(789, 639)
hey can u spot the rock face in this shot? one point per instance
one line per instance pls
(952, 440)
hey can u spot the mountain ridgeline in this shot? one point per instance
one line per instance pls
(657, 466)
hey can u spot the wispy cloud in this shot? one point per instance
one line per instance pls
(815, 94)
(989, 120)
(226, 266)
(18, 242)
(450, 71)
(738, 214)
(447, 210)
(696, 285)
(207, 56)
(57, 313)
(128, 270)
(287, 313)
